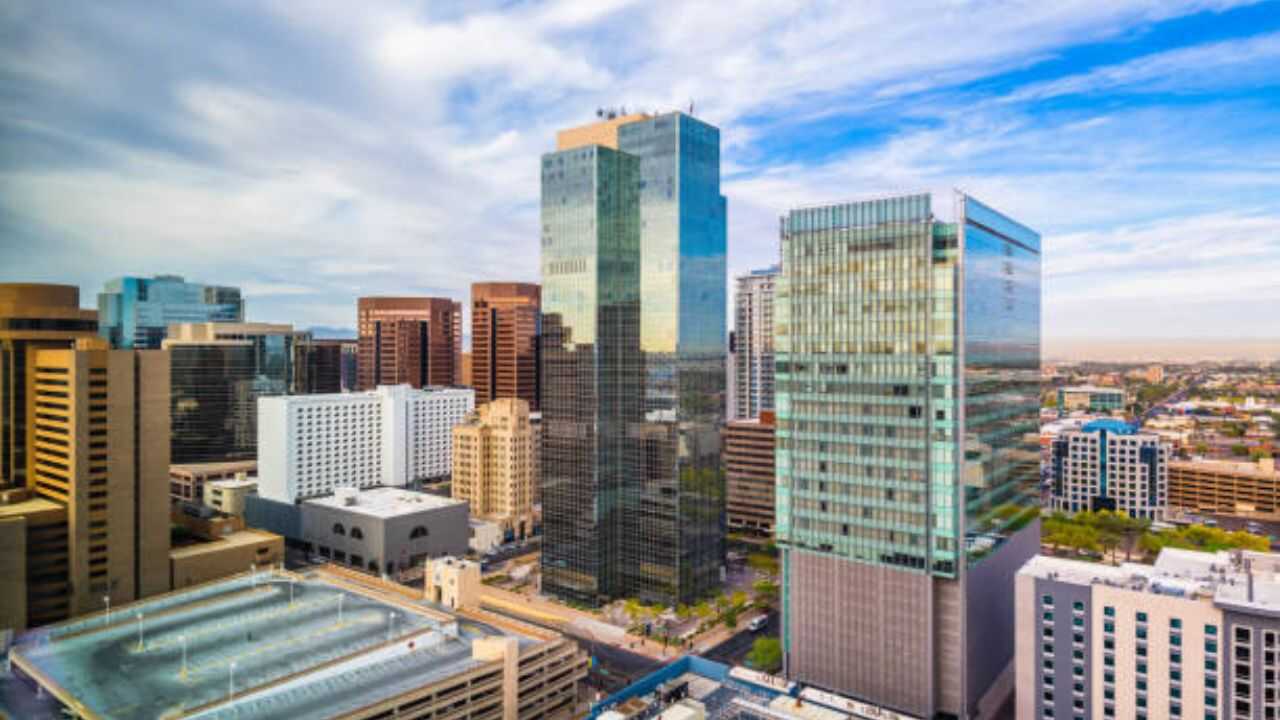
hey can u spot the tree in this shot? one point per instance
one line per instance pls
(766, 655)
(730, 617)
(766, 592)
(738, 600)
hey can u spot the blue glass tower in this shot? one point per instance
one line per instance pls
(907, 400)
(136, 312)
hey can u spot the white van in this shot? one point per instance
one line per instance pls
(758, 624)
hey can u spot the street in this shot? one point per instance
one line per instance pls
(734, 650)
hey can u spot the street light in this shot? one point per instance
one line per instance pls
(106, 600)
(183, 640)
(231, 680)
(141, 647)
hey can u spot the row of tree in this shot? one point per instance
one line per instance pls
(1105, 533)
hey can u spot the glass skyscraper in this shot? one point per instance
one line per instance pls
(648, 505)
(907, 398)
(136, 312)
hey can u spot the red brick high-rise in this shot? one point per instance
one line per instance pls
(505, 325)
(408, 340)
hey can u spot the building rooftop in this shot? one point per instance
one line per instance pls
(288, 645)
(1115, 427)
(384, 502)
(1242, 579)
(29, 506)
(1260, 469)
(247, 536)
(233, 483)
(215, 467)
(1092, 388)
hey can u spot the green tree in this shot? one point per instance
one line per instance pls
(766, 592)
(730, 617)
(766, 655)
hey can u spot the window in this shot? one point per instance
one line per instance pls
(418, 531)
(357, 533)
(338, 529)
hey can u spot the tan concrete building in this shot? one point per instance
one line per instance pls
(1244, 489)
(228, 496)
(453, 583)
(493, 464)
(211, 559)
(32, 316)
(187, 481)
(98, 445)
(413, 341)
(467, 377)
(505, 322)
(749, 473)
(33, 560)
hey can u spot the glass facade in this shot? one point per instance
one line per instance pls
(907, 384)
(650, 517)
(136, 312)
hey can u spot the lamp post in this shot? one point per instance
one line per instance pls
(183, 639)
(106, 600)
(231, 680)
(141, 647)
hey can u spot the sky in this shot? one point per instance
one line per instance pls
(312, 152)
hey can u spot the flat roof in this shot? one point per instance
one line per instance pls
(239, 538)
(215, 467)
(1091, 388)
(293, 645)
(30, 506)
(232, 484)
(386, 502)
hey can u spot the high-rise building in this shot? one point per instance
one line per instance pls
(633, 266)
(98, 446)
(505, 327)
(1193, 636)
(33, 563)
(32, 316)
(493, 465)
(414, 341)
(753, 342)
(310, 444)
(467, 378)
(749, 473)
(1109, 465)
(324, 359)
(135, 312)
(907, 395)
(219, 370)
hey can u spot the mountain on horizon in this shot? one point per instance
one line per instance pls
(326, 332)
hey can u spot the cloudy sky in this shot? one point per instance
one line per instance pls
(311, 152)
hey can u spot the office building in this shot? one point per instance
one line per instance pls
(1193, 636)
(384, 529)
(32, 316)
(1110, 465)
(494, 465)
(749, 473)
(99, 448)
(415, 341)
(1240, 489)
(753, 342)
(633, 267)
(467, 377)
(136, 312)
(324, 362)
(357, 648)
(219, 370)
(33, 535)
(1090, 398)
(506, 324)
(395, 435)
(186, 482)
(212, 545)
(731, 379)
(907, 400)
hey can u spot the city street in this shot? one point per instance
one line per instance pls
(733, 651)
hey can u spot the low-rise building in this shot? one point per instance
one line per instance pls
(1110, 465)
(308, 445)
(228, 495)
(1091, 398)
(485, 536)
(749, 469)
(1195, 635)
(1243, 489)
(212, 559)
(33, 560)
(186, 482)
(384, 529)
(452, 582)
(323, 645)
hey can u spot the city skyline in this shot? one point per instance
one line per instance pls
(1138, 151)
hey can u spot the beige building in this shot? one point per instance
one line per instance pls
(98, 445)
(221, 557)
(1244, 489)
(33, 560)
(32, 316)
(228, 496)
(494, 464)
(603, 132)
(452, 583)
(187, 481)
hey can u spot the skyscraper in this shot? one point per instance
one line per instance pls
(494, 459)
(32, 316)
(505, 327)
(907, 399)
(99, 447)
(658, 519)
(136, 312)
(219, 370)
(753, 342)
(408, 341)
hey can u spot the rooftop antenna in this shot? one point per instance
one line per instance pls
(690, 106)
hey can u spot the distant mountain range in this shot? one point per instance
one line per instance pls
(325, 332)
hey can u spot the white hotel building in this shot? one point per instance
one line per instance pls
(310, 444)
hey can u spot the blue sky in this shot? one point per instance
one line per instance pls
(311, 153)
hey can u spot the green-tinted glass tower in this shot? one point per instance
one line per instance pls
(659, 528)
(907, 399)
